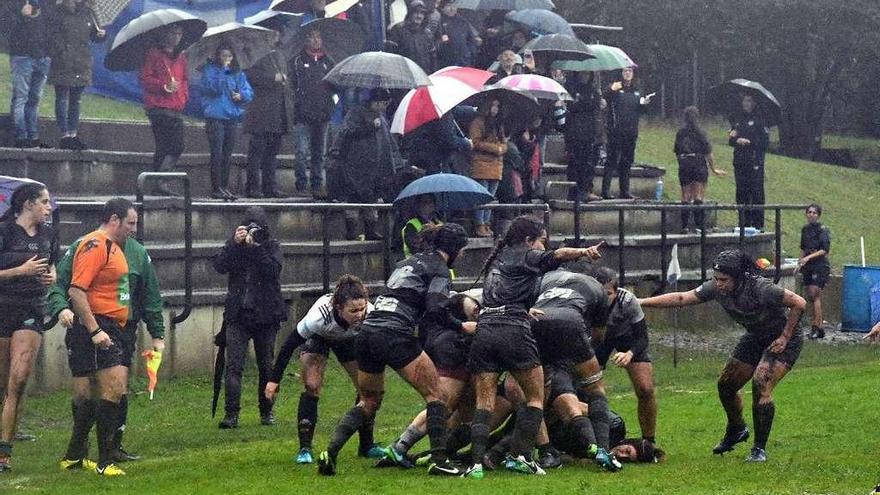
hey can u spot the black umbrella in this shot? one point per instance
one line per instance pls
(505, 4)
(377, 70)
(340, 38)
(541, 21)
(552, 47)
(106, 11)
(249, 44)
(133, 40)
(518, 108)
(727, 98)
(219, 366)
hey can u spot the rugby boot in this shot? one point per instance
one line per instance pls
(229, 422)
(757, 455)
(390, 456)
(520, 464)
(71, 464)
(109, 470)
(474, 472)
(607, 461)
(444, 468)
(120, 455)
(876, 490)
(731, 438)
(326, 464)
(374, 451)
(267, 419)
(549, 458)
(304, 456)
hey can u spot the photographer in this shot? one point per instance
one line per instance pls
(254, 308)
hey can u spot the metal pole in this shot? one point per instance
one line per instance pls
(187, 254)
(386, 243)
(703, 247)
(778, 248)
(742, 229)
(675, 329)
(577, 216)
(620, 235)
(663, 265)
(325, 252)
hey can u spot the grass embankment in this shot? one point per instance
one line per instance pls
(825, 439)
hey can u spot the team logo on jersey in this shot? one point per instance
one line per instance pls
(91, 244)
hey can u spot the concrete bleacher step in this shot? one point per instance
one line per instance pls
(108, 173)
(643, 180)
(606, 222)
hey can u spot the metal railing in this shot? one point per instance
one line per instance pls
(663, 209)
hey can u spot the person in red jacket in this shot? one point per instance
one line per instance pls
(166, 90)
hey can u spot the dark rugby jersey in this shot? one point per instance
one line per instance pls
(756, 305)
(515, 277)
(625, 313)
(816, 237)
(562, 289)
(16, 247)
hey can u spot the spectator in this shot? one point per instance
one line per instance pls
(627, 104)
(814, 266)
(254, 308)
(694, 154)
(316, 11)
(366, 153)
(29, 63)
(529, 145)
(166, 90)
(225, 92)
(412, 38)
(269, 117)
(494, 38)
(430, 146)
(490, 145)
(457, 40)
(72, 28)
(580, 130)
(313, 100)
(508, 65)
(749, 137)
(425, 215)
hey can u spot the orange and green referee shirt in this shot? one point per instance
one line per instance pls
(101, 271)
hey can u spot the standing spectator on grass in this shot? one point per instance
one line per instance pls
(749, 137)
(166, 90)
(695, 159)
(225, 92)
(457, 40)
(814, 265)
(28, 252)
(100, 297)
(314, 107)
(626, 104)
(580, 135)
(72, 29)
(269, 116)
(29, 63)
(489, 147)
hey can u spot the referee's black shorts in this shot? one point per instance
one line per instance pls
(85, 358)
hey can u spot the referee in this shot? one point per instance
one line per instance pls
(146, 304)
(99, 296)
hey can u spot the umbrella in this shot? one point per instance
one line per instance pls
(106, 11)
(518, 108)
(135, 37)
(8, 185)
(607, 58)
(451, 191)
(249, 43)
(540, 87)
(295, 6)
(727, 98)
(541, 21)
(505, 4)
(219, 366)
(339, 38)
(333, 9)
(449, 87)
(284, 22)
(377, 70)
(552, 47)
(153, 361)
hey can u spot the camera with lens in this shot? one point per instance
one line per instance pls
(257, 233)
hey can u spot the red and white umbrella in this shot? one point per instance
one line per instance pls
(449, 87)
(540, 87)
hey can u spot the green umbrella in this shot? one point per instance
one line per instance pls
(607, 58)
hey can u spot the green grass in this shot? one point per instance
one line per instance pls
(848, 197)
(825, 439)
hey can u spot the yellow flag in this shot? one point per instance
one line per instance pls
(154, 360)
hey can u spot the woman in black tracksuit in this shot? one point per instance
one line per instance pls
(626, 104)
(504, 340)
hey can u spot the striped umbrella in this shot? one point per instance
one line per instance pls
(449, 87)
(540, 87)
(372, 70)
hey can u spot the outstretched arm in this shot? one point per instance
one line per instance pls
(671, 300)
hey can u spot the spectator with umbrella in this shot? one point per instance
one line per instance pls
(509, 63)
(29, 63)
(412, 39)
(749, 135)
(489, 139)
(626, 104)
(225, 92)
(72, 28)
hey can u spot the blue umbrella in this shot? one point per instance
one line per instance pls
(8, 185)
(541, 21)
(451, 191)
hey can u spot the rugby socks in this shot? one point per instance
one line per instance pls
(83, 419)
(458, 439)
(581, 429)
(306, 419)
(349, 424)
(437, 429)
(598, 412)
(408, 438)
(528, 422)
(480, 434)
(365, 432)
(106, 420)
(699, 215)
(762, 414)
(685, 215)
(123, 419)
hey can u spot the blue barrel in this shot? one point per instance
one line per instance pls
(861, 297)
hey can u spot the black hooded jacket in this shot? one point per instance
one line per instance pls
(254, 287)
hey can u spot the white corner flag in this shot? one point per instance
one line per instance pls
(673, 273)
